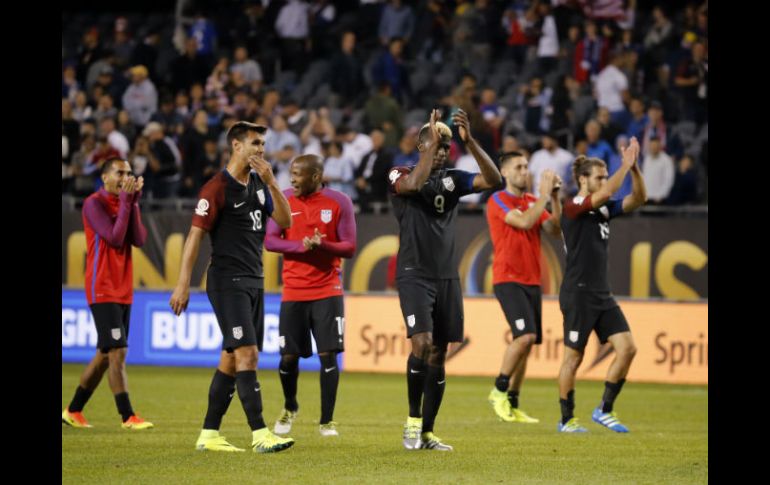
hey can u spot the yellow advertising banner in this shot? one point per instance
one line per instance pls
(672, 340)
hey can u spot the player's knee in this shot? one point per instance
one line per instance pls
(628, 352)
(421, 345)
(246, 359)
(437, 356)
(527, 340)
(117, 356)
(289, 360)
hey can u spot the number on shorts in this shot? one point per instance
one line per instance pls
(340, 325)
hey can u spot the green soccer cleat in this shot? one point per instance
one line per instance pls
(210, 440)
(412, 430)
(329, 429)
(430, 441)
(284, 421)
(571, 426)
(522, 417)
(266, 442)
(501, 405)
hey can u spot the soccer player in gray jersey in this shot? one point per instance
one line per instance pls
(425, 204)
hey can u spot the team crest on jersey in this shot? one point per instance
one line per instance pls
(605, 212)
(261, 196)
(449, 183)
(410, 321)
(202, 208)
(326, 216)
(238, 332)
(116, 333)
(394, 175)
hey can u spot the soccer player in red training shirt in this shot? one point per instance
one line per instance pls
(323, 230)
(515, 218)
(233, 208)
(585, 298)
(113, 223)
(425, 205)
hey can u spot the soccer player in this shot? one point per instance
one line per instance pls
(585, 298)
(233, 208)
(323, 230)
(515, 218)
(113, 223)
(425, 204)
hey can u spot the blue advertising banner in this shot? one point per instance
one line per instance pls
(158, 337)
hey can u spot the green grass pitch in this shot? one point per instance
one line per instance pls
(668, 442)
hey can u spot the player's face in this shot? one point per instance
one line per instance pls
(442, 154)
(116, 177)
(516, 172)
(597, 179)
(304, 180)
(253, 145)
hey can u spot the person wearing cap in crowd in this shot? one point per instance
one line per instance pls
(163, 175)
(141, 98)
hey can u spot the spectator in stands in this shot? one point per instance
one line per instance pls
(190, 67)
(281, 162)
(271, 103)
(82, 167)
(165, 162)
(139, 158)
(172, 121)
(105, 108)
(407, 149)
(346, 76)
(510, 144)
(397, 22)
(141, 98)
(384, 113)
(535, 101)
(590, 54)
(69, 83)
(146, 52)
(125, 126)
(354, 144)
(204, 32)
(248, 68)
(215, 112)
(338, 169)
(278, 136)
(612, 89)
(518, 28)
(318, 129)
(116, 139)
(494, 115)
(70, 128)
(193, 143)
(89, 51)
(82, 110)
(295, 116)
(692, 81)
(293, 28)
(657, 41)
(658, 171)
(122, 43)
(390, 68)
(609, 129)
(548, 41)
(596, 146)
(655, 128)
(371, 176)
(431, 32)
(550, 157)
(685, 189)
(638, 119)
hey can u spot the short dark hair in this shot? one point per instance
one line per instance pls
(507, 156)
(239, 130)
(107, 165)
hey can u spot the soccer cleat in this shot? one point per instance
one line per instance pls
(284, 421)
(432, 442)
(522, 417)
(135, 422)
(74, 419)
(501, 405)
(608, 420)
(412, 430)
(266, 442)
(210, 440)
(329, 429)
(571, 426)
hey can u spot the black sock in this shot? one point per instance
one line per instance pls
(221, 393)
(289, 372)
(330, 378)
(251, 397)
(567, 407)
(415, 383)
(435, 383)
(124, 405)
(501, 383)
(513, 398)
(611, 392)
(80, 399)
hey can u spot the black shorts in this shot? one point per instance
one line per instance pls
(240, 313)
(434, 306)
(111, 320)
(523, 308)
(585, 311)
(325, 318)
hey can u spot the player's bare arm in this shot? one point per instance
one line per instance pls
(552, 226)
(638, 195)
(525, 220)
(629, 156)
(281, 210)
(490, 176)
(414, 181)
(181, 296)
